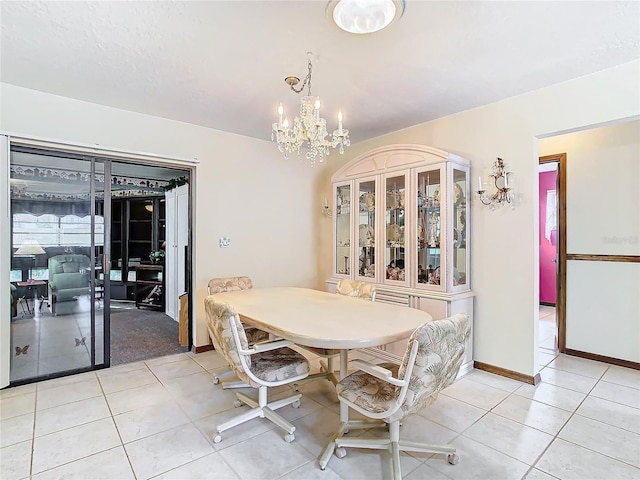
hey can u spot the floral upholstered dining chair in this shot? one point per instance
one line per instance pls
(268, 364)
(254, 335)
(388, 393)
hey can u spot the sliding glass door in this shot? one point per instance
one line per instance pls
(59, 266)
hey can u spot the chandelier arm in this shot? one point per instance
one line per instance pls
(307, 80)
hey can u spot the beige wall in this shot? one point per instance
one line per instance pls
(244, 188)
(603, 218)
(504, 253)
(246, 191)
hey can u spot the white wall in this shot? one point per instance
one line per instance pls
(603, 198)
(504, 251)
(603, 218)
(282, 213)
(244, 188)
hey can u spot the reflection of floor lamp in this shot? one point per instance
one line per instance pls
(30, 248)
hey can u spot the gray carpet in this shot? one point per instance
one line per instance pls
(140, 334)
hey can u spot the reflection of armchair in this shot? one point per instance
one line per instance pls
(68, 279)
(387, 394)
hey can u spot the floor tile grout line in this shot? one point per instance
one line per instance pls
(607, 424)
(575, 412)
(115, 424)
(33, 431)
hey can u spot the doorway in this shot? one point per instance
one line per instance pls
(80, 227)
(548, 255)
(552, 254)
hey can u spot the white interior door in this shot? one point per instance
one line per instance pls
(170, 262)
(177, 231)
(182, 237)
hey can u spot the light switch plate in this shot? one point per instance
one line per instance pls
(224, 242)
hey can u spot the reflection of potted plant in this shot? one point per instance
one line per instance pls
(157, 256)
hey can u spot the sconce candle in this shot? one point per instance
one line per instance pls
(325, 209)
(503, 194)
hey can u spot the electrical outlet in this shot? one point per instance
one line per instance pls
(224, 242)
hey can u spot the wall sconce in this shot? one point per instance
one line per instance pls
(326, 209)
(503, 193)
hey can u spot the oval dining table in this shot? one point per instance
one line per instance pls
(315, 318)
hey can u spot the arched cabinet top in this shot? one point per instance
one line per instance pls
(393, 157)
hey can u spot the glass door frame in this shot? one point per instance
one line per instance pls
(93, 160)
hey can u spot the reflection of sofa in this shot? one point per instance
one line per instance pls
(68, 279)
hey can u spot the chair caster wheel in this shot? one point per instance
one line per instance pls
(216, 381)
(340, 452)
(296, 404)
(217, 438)
(289, 437)
(453, 459)
(237, 403)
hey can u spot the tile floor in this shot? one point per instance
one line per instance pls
(155, 419)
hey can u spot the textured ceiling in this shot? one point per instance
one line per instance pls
(221, 64)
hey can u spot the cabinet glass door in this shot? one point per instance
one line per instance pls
(395, 236)
(342, 260)
(460, 256)
(429, 257)
(366, 236)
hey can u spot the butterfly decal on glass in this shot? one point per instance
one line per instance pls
(80, 341)
(22, 350)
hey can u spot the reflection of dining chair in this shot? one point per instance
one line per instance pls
(389, 393)
(254, 335)
(267, 364)
(349, 288)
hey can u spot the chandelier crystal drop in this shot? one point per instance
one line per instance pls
(308, 130)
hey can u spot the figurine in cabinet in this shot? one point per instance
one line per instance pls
(433, 229)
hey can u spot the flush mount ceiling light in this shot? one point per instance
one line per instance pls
(365, 16)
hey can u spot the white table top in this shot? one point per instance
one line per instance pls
(320, 319)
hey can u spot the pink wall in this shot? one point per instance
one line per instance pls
(547, 249)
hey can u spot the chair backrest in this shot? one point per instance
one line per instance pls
(68, 263)
(440, 351)
(222, 320)
(229, 284)
(356, 288)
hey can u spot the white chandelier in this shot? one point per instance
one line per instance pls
(309, 130)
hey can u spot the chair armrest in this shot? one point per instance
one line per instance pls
(266, 346)
(378, 372)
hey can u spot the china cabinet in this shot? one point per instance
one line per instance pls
(400, 221)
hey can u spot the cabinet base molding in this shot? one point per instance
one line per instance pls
(201, 348)
(532, 380)
(601, 358)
